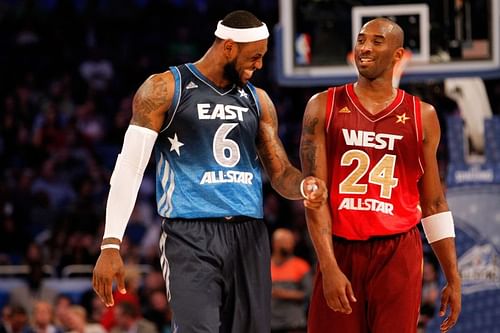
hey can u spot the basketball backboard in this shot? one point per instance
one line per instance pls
(447, 38)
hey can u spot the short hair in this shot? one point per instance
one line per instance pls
(17, 309)
(129, 309)
(241, 19)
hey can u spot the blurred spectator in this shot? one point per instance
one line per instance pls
(74, 319)
(58, 191)
(43, 319)
(430, 293)
(19, 322)
(158, 310)
(5, 321)
(61, 307)
(48, 132)
(97, 70)
(34, 290)
(292, 284)
(13, 238)
(183, 49)
(89, 122)
(132, 283)
(93, 305)
(129, 320)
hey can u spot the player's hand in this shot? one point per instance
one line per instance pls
(338, 291)
(109, 267)
(451, 297)
(315, 191)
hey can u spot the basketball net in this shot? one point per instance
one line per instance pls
(399, 68)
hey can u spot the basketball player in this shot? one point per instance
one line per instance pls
(209, 127)
(375, 146)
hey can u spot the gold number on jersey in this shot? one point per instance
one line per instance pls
(381, 174)
(350, 184)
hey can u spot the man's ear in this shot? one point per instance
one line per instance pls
(230, 48)
(398, 54)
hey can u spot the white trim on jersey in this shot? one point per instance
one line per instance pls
(359, 106)
(202, 79)
(176, 86)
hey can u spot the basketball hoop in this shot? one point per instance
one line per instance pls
(399, 68)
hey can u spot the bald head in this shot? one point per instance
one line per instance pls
(391, 30)
(283, 241)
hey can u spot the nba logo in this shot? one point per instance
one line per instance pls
(303, 49)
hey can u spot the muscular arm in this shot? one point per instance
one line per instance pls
(432, 201)
(284, 177)
(150, 104)
(336, 287)
(152, 100)
(314, 163)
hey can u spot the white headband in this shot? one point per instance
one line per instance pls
(242, 35)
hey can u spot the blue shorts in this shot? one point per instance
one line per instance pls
(217, 273)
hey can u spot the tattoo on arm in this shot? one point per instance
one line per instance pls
(151, 96)
(284, 177)
(272, 110)
(310, 125)
(270, 147)
(309, 146)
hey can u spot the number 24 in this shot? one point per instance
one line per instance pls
(381, 174)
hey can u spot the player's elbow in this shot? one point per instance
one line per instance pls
(434, 206)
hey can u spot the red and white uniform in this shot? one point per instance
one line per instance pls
(375, 162)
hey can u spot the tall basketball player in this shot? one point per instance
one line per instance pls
(375, 146)
(209, 127)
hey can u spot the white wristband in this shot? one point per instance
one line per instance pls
(312, 188)
(302, 188)
(438, 226)
(110, 246)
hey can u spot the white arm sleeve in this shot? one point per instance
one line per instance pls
(126, 178)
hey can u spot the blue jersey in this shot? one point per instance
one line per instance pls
(206, 156)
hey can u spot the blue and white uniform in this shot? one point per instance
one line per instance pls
(207, 164)
(214, 244)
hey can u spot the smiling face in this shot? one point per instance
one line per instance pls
(244, 60)
(378, 47)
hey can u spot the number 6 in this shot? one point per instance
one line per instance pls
(222, 144)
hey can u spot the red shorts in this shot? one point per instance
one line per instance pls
(386, 277)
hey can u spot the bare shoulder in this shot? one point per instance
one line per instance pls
(429, 114)
(427, 109)
(430, 122)
(152, 100)
(264, 100)
(268, 110)
(317, 104)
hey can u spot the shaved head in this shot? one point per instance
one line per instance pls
(283, 241)
(393, 31)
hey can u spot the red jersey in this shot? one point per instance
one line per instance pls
(375, 162)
